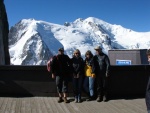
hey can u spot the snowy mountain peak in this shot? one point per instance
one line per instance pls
(32, 42)
(96, 20)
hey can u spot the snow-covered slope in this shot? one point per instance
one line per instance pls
(32, 42)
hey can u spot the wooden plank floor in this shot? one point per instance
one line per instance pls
(50, 105)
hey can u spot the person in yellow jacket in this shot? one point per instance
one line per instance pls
(89, 79)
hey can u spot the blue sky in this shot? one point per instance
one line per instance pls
(131, 14)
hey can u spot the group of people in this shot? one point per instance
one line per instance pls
(89, 75)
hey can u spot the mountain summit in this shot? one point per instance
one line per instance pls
(32, 42)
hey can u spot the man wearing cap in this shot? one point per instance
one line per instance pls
(60, 68)
(102, 65)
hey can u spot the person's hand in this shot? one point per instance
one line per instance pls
(149, 60)
(78, 75)
(53, 75)
(74, 75)
(93, 75)
(107, 75)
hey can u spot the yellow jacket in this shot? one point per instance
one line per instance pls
(88, 71)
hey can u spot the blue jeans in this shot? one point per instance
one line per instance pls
(88, 85)
(62, 84)
(77, 87)
(148, 111)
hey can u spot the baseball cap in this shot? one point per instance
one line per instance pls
(98, 48)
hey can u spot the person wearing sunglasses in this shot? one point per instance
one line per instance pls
(78, 72)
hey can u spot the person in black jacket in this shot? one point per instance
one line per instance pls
(60, 68)
(147, 98)
(78, 66)
(102, 74)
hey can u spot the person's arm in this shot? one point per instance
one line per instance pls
(48, 65)
(80, 68)
(107, 61)
(52, 65)
(72, 67)
(93, 67)
(70, 64)
(94, 64)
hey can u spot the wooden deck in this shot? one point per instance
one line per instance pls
(50, 105)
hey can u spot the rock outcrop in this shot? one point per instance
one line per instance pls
(4, 30)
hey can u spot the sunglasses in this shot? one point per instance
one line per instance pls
(76, 53)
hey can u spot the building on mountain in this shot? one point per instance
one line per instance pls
(128, 56)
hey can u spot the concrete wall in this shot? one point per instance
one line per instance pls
(129, 80)
(36, 81)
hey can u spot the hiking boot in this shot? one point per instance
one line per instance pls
(99, 99)
(105, 99)
(79, 100)
(60, 100)
(89, 99)
(65, 100)
(76, 100)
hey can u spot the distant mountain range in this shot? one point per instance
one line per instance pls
(32, 42)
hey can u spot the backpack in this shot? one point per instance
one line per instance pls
(49, 63)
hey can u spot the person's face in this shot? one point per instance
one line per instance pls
(61, 52)
(76, 54)
(98, 51)
(148, 58)
(87, 55)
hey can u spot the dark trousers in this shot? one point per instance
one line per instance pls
(102, 85)
(147, 98)
(62, 84)
(77, 86)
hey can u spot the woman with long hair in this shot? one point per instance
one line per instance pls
(78, 71)
(89, 79)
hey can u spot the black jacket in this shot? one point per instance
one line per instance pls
(102, 64)
(61, 65)
(77, 65)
